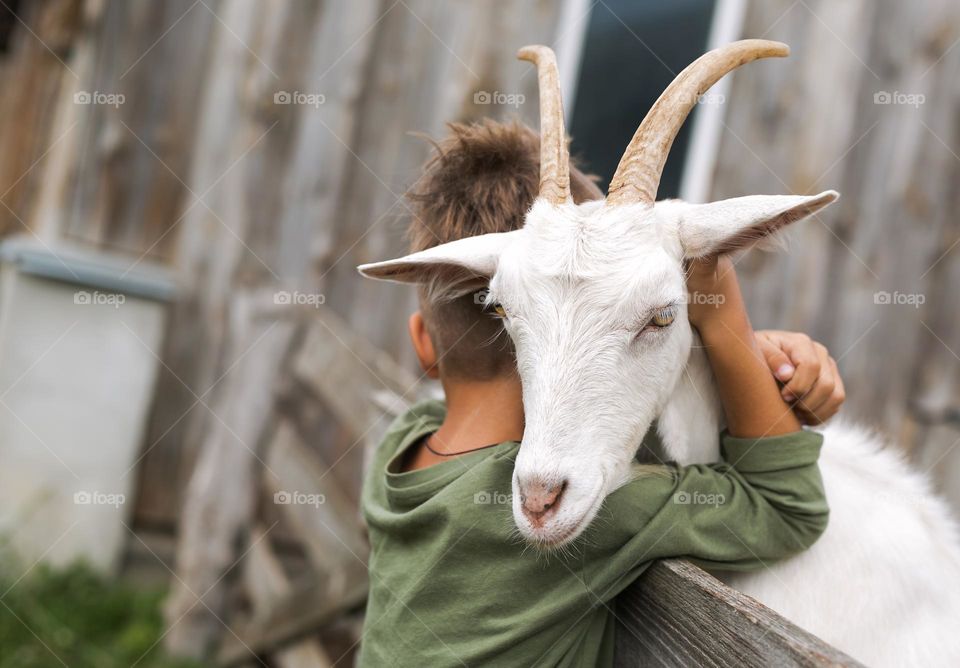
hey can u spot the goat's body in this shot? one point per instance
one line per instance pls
(883, 582)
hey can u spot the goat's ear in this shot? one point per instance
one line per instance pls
(470, 257)
(734, 224)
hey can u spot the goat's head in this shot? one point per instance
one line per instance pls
(594, 297)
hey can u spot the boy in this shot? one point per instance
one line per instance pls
(451, 583)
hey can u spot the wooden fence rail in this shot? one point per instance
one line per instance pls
(676, 614)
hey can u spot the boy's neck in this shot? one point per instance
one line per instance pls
(480, 413)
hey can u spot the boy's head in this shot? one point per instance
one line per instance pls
(482, 178)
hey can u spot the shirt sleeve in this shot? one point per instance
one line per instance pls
(763, 502)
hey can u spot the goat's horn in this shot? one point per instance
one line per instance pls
(640, 168)
(554, 159)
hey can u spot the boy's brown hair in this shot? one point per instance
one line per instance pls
(482, 178)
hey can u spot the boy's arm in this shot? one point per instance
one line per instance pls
(764, 502)
(751, 400)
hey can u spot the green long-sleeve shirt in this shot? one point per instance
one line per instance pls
(451, 582)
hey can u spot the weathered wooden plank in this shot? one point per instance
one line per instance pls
(322, 517)
(35, 75)
(311, 606)
(266, 584)
(360, 385)
(352, 376)
(678, 615)
(220, 498)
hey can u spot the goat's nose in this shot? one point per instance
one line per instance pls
(537, 499)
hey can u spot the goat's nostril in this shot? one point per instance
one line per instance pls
(537, 498)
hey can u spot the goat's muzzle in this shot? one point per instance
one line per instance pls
(539, 500)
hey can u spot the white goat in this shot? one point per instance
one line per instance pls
(579, 284)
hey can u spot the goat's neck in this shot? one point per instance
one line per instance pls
(690, 421)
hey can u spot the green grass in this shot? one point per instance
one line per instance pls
(82, 619)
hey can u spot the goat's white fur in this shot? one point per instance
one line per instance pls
(578, 282)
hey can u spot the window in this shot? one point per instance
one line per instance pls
(630, 51)
(8, 19)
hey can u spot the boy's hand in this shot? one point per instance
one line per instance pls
(810, 377)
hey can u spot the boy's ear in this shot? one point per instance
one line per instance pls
(469, 257)
(423, 346)
(734, 224)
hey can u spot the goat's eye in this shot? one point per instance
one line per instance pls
(663, 316)
(498, 309)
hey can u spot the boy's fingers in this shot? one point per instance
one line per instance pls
(805, 356)
(802, 382)
(812, 384)
(778, 361)
(815, 402)
(826, 397)
(832, 402)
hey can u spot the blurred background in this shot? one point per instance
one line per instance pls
(191, 369)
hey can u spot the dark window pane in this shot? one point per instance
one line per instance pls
(632, 50)
(8, 19)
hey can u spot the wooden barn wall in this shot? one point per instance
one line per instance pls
(811, 122)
